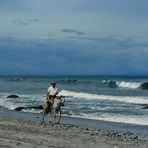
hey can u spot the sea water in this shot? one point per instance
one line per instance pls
(118, 99)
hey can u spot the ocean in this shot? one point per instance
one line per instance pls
(114, 98)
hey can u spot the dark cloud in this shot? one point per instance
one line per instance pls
(73, 31)
(20, 22)
(93, 38)
(53, 56)
(124, 42)
(35, 20)
(25, 22)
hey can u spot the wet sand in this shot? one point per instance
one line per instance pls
(24, 130)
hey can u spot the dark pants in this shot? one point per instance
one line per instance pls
(48, 104)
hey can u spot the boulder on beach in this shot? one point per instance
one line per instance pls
(145, 106)
(29, 107)
(19, 108)
(13, 96)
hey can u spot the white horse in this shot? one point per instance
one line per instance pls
(58, 103)
(56, 108)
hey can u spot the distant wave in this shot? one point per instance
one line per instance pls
(68, 80)
(123, 84)
(110, 83)
(15, 79)
(126, 99)
(131, 85)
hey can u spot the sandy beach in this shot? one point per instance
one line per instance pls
(24, 130)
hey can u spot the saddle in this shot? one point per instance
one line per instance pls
(49, 103)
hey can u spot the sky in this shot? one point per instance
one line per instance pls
(73, 37)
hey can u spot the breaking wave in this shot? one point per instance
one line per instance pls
(131, 85)
(124, 84)
(23, 100)
(126, 99)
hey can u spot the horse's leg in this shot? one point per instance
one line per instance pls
(43, 118)
(45, 112)
(54, 115)
(59, 116)
(50, 120)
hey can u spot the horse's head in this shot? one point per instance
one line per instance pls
(61, 98)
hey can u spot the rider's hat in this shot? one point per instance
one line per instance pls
(53, 82)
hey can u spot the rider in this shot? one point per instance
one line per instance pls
(52, 90)
(51, 95)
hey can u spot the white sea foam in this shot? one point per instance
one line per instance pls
(122, 84)
(12, 103)
(31, 110)
(131, 85)
(139, 120)
(7, 103)
(126, 99)
(23, 100)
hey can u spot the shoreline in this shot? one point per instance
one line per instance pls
(82, 122)
(79, 132)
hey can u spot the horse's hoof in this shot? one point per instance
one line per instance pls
(42, 122)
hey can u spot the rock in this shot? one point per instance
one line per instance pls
(144, 85)
(13, 96)
(30, 107)
(112, 83)
(19, 108)
(145, 106)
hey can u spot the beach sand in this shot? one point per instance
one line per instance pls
(23, 130)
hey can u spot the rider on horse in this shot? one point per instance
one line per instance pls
(51, 95)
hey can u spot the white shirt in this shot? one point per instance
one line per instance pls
(52, 90)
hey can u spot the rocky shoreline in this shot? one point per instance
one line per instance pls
(19, 133)
(18, 129)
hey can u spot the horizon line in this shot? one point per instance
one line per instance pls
(70, 75)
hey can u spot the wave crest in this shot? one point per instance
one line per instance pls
(122, 84)
(127, 99)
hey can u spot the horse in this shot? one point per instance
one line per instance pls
(54, 107)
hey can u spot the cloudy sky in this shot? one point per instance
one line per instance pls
(68, 37)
